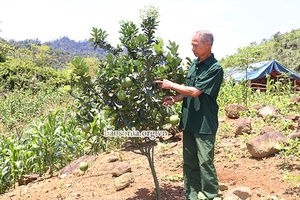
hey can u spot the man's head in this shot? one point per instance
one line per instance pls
(202, 42)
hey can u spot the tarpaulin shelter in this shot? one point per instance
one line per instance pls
(257, 74)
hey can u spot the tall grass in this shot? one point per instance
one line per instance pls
(276, 94)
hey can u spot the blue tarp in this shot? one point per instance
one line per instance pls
(258, 70)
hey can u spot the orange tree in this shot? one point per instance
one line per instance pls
(124, 84)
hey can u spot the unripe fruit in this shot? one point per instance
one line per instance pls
(174, 119)
(121, 95)
(86, 127)
(126, 82)
(83, 166)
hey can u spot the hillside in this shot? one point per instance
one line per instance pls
(71, 46)
(283, 47)
(55, 54)
(235, 167)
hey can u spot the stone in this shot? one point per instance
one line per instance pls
(295, 134)
(295, 99)
(242, 125)
(121, 168)
(112, 158)
(268, 111)
(123, 181)
(292, 116)
(25, 179)
(223, 186)
(232, 111)
(241, 193)
(265, 145)
(267, 129)
(74, 166)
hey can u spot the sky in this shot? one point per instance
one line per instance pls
(234, 23)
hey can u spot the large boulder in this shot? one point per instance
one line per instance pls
(265, 145)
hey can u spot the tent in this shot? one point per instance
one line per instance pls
(257, 72)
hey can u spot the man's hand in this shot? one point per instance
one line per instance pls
(168, 100)
(165, 84)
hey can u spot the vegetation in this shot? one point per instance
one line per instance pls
(55, 108)
(283, 47)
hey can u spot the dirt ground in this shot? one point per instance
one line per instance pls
(235, 166)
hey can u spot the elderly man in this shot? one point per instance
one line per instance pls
(199, 120)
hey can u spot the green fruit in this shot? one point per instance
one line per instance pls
(86, 127)
(174, 119)
(121, 95)
(126, 82)
(83, 166)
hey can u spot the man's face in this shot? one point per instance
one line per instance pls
(199, 48)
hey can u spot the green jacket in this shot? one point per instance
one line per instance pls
(200, 114)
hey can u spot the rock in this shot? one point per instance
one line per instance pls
(127, 145)
(264, 145)
(232, 111)
(25, 179)
(241, 193)
(293, 117)
(223, 186)
(268, 111)
(121, 168)
(74, 166)
(242, 125)
(257, 106)
(221, 119)
(123, 181)
(295, 134)
(295, 99)
(267, 129)
(112, 158)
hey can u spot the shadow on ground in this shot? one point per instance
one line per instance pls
(167, 192)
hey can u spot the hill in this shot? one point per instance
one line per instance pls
(283, 47)
(83, 48)
(236, 169)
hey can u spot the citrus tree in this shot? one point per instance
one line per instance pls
(124, 86)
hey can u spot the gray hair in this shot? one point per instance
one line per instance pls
(205, 36)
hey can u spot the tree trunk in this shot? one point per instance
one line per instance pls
(151, 164)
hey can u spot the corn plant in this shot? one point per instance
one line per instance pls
(48, 145)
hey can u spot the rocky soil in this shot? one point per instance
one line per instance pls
(237, 171)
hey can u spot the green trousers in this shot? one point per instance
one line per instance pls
(198, 169)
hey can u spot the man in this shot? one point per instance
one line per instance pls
(199, 120)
